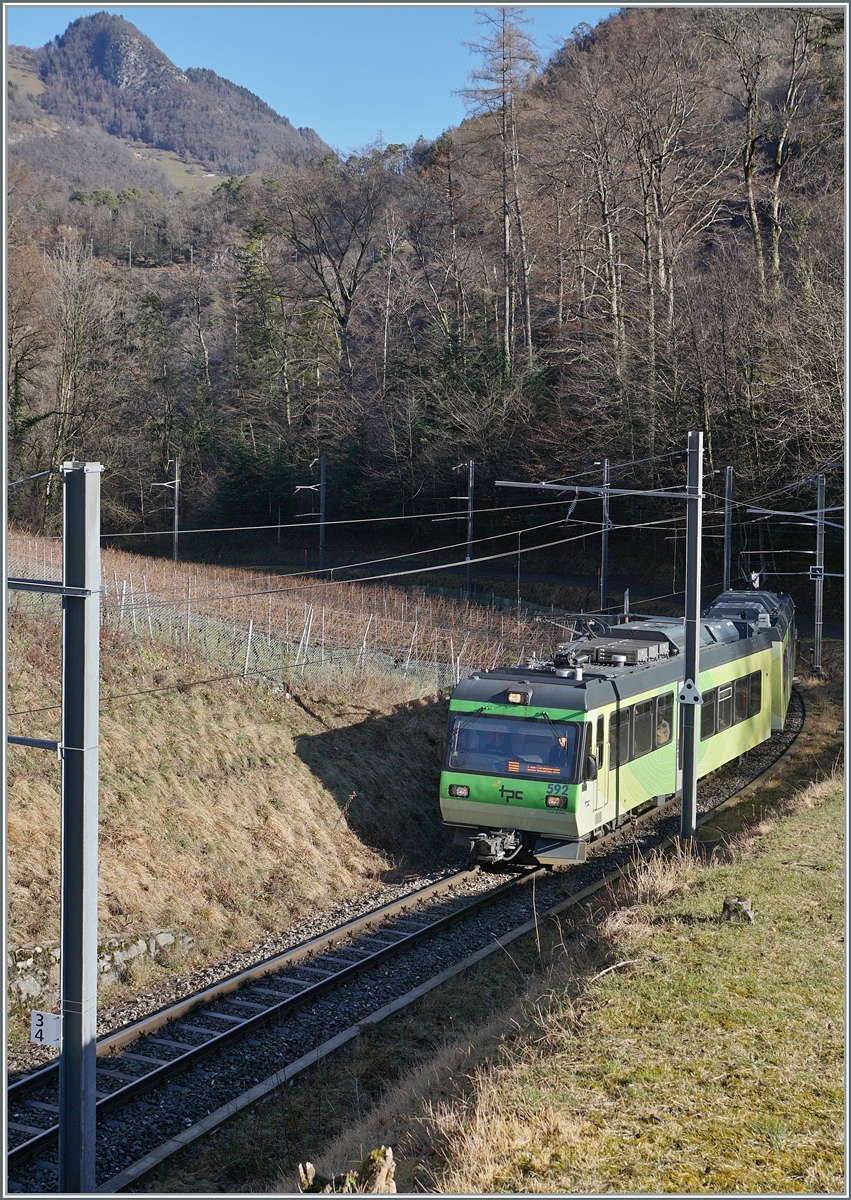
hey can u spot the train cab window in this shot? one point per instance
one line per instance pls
(598, 749)
(664, 719)
(707, 714)
(642, 731)
(725, 707)
(755, 686)
(619, 739)
(740, 701)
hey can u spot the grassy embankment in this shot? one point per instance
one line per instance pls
(709, 1059)
(226, 810)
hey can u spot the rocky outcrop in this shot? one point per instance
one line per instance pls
(132, 61)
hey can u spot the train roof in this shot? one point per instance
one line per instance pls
(637, 656)
(765, 608)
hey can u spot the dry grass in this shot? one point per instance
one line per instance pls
(428, 628)
(543, 1053)
(571, 597)
(708, 1060)
(211, 820)
(226, 811)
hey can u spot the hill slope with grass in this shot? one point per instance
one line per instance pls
(664, 1049)
(225, 810)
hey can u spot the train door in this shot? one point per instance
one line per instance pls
(598, 799)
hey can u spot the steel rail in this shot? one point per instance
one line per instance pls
(213, 1120)
(310, 949)
(155, 1020)
(270, 1012)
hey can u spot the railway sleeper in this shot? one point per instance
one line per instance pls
(261, 991)
(172, 1044)
(202, 1029)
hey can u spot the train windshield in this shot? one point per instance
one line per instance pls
(537, 748)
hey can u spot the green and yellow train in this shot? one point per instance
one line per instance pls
(542, 759)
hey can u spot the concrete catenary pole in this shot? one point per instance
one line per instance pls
(728, 527)
(79, 911)
(689, 696)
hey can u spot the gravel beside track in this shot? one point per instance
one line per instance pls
(126, 1136)
(112, 1017)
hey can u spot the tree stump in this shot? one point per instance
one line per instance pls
(375, 1176)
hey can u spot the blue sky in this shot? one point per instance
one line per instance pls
(353, 72)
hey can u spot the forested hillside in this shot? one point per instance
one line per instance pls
(104, 77)
(639, 237)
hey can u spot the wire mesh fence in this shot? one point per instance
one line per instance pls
(288, 631)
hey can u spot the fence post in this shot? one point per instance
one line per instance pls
(363, 647)
(411, 647)
(148, 606)
(248, 647)
(307, 638)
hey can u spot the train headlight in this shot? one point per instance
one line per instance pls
(459, 790)
(518, 697)
(556, 801)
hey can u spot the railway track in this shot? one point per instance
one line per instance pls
(180, 1071)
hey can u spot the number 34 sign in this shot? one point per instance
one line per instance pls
(46, 1029)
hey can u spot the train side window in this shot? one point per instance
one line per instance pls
(664, 719)
(707, 715)
(599, 746)
(642, 732)
(740, 700)
(619, 739)
(755, 704)
(725, 707)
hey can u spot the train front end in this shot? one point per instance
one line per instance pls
(514, 770)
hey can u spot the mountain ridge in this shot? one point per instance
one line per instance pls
(103, 73)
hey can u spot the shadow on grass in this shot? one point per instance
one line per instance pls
(384, 773)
